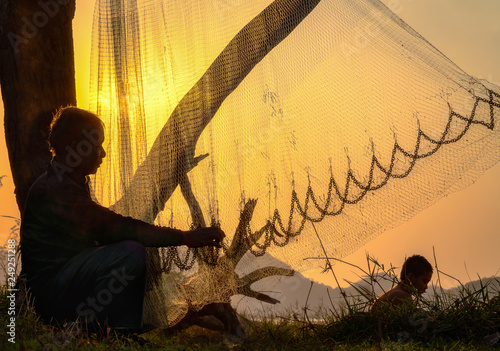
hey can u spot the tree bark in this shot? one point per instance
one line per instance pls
(37, 76)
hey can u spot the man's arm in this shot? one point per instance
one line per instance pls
(78, 214)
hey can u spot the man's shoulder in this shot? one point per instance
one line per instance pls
(48, 188)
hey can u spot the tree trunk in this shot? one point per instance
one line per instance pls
(37, 76)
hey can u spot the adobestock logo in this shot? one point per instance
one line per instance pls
(30, 28)
(75, 156)
(225, 8)
(370, 27)
(93, 305)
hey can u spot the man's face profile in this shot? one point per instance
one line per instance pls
(92, 151)
(85, 154)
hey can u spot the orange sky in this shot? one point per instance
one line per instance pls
(463, 227)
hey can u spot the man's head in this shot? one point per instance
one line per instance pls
(417, 271)
(76, 138)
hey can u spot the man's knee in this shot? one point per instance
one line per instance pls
(134, 255)
(137, 250)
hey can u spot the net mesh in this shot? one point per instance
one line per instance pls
(337, 116)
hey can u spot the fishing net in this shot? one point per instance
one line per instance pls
(301, 128)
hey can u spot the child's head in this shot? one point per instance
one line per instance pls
(417, 271)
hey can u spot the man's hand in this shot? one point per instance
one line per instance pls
(203, 237)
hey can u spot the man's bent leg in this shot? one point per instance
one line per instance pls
(104, 284)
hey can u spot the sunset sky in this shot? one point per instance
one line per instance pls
(463, 227)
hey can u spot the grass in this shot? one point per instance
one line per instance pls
(355, 331)
(467, 320)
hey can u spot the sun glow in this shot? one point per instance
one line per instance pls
(462, 44)
(323, 104)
